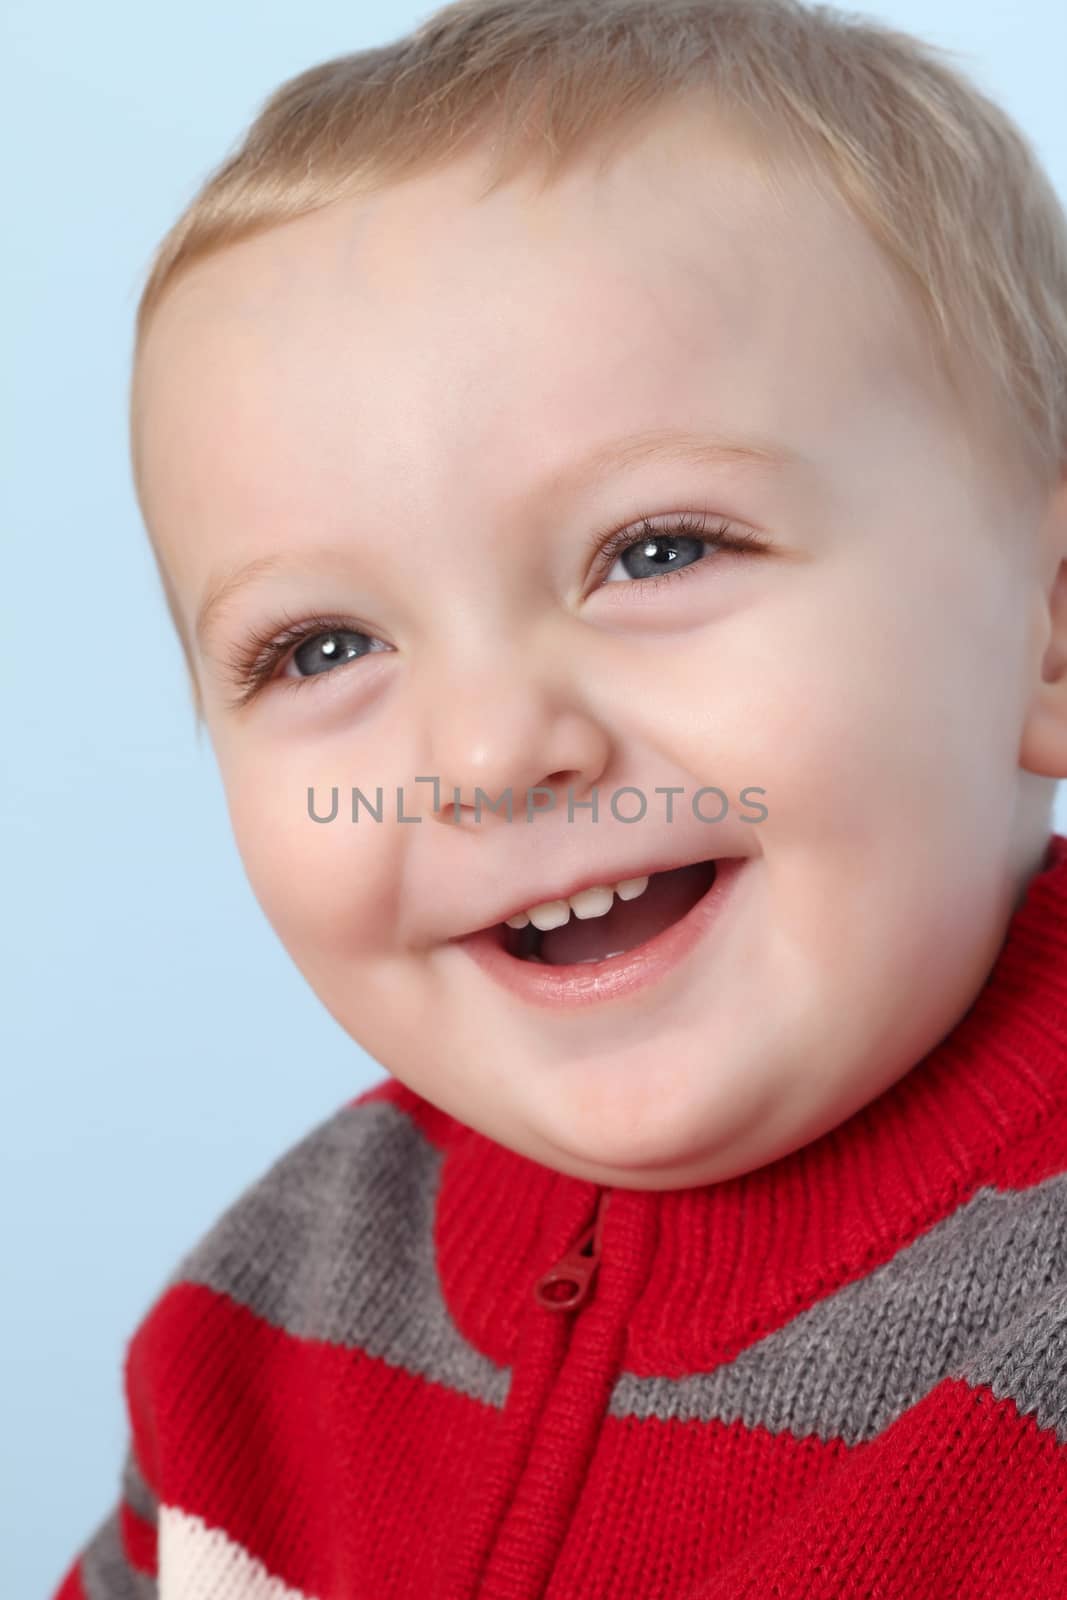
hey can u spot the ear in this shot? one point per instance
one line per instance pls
(1043, 749)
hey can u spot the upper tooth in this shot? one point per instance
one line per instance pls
(630, 888)
(550, 914)
(593, 902)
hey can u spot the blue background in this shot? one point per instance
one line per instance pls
(159, 1047)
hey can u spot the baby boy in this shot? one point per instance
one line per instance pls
(604, 462)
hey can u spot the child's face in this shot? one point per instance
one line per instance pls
(389, 401)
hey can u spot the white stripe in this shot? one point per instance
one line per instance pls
(201, 1563)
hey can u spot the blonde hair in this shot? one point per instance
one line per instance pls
(941, 176)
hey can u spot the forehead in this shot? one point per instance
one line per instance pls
(431, 340)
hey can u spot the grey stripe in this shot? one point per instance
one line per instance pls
(1027, 1361)
(968, 1296)
(336, 1242)
(136, 1492)
(105, 1572)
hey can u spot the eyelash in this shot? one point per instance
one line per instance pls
(253, 662)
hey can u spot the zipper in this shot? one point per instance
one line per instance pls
(565, 1286)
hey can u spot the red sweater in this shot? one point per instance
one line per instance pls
(408, 1362)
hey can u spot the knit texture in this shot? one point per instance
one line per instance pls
(841, 1374)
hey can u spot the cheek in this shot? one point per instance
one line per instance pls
(889, 701)
(321, 885)
(830, 699)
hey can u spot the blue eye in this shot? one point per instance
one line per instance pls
(655, 552)
(322, 651)
(323, 644)
(655, 557)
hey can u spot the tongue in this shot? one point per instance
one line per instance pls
(629, 922)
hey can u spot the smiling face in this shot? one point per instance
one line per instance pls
(384, 415)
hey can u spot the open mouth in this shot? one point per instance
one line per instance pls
(669, 897)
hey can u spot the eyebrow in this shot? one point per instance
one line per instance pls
(670, 444)
(653, 444)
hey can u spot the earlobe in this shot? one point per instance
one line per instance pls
(1043, 748)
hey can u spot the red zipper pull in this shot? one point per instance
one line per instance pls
(566, 1285)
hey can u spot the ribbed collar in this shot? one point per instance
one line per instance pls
(704, 1271)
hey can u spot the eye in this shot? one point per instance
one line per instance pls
(323, 645)
(654, 552)
(320, 652)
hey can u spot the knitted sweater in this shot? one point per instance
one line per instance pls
(410, 1364)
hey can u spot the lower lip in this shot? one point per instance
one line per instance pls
(594, 982)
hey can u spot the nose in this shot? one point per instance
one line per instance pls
(509, 734)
